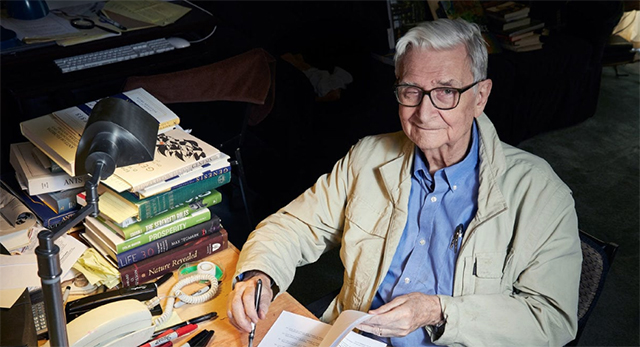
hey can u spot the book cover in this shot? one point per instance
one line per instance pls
(77, 116)
(57, 134)
(202, 201)
(45, 214)
(176, 152)
(61, 201)
(125, 208)
(509, 25)
(213, 168)
(38, 179)
(158, 265)
(115, 241)
(534, 25)
(529, 40)
(168, 243)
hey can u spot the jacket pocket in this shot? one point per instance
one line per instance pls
(487, 272)
(368, 215)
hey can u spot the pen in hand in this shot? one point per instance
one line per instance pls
(253, 325)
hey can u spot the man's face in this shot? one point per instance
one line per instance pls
(444, 134)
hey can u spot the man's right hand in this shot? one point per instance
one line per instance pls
(241, 308)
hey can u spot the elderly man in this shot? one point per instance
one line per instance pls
(448, 236)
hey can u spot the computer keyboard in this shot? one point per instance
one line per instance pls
(114, 55)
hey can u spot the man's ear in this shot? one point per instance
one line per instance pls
(484, 89)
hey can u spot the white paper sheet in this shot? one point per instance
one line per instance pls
(20, 271)
(292, 330)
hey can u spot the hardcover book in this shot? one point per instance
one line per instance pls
(36, 178)
(176, 152)
(156, 247)
(166, 118)
(61, 201)
(57, 134)
(99, 226)
(184, 211)
(45, 214)
(156, 266)
(125, 208)
(499, 26)
(214, 168)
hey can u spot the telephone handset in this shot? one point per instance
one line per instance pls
(119, 323)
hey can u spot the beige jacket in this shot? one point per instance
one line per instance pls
(518, 271)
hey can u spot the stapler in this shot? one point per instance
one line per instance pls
(144, 292)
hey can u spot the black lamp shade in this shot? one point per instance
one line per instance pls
(109, 137)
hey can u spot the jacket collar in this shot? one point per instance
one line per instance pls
(396, 173)
(492, 165)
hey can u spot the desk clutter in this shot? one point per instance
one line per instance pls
(154, 222)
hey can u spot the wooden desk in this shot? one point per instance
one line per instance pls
(226, 334)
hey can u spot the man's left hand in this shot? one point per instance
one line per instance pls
(403, 315)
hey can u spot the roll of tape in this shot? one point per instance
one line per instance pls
(207, 267)
(187, 269)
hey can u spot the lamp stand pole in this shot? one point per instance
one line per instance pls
(48, 257)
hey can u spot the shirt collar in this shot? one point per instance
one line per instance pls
(455, 173)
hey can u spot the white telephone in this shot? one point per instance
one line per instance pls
(119, 323)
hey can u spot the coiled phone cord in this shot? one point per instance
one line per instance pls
(176, 292)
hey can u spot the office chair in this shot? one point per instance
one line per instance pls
(597, 258)
(209, 98)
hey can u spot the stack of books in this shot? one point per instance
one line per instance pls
(44, 187)
(154, 216)
(511, 25)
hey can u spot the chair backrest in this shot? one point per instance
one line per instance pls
(597, 258)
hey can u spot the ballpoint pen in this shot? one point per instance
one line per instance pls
(253, 325)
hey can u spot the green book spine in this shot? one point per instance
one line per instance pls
(163, 202)
(197, 217)
(204, 200)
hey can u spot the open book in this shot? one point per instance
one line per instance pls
(292, 330)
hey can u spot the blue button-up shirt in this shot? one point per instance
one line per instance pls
(439, 206)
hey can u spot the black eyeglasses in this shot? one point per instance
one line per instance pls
(442, 98)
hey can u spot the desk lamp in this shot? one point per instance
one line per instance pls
(118, 133)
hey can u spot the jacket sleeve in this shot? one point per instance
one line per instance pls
(299, 233)
(540, 307)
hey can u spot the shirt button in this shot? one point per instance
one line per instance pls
(407, 280)
(422, 242)
(434, 199)
(454, 187)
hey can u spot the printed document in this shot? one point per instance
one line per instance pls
(292, 330)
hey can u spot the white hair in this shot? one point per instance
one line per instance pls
(444, 34)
